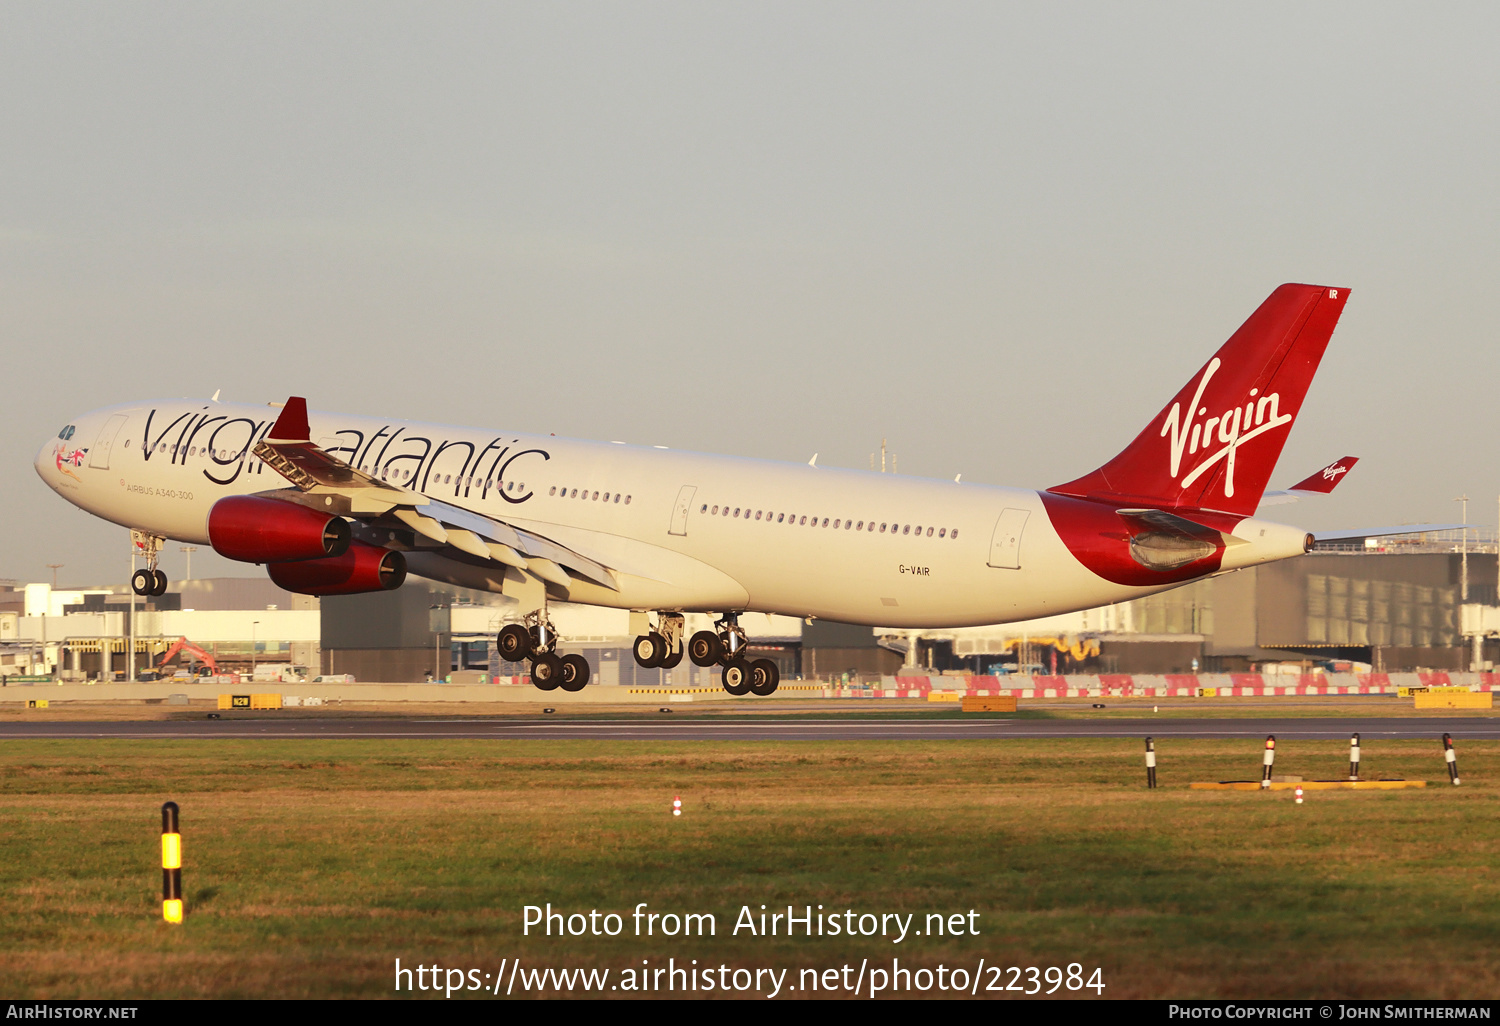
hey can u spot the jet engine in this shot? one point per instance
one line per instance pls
(259, 530)
(362, 568)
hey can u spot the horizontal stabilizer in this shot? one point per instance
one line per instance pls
(1355, 534)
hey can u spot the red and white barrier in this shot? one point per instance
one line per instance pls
(1169, 685)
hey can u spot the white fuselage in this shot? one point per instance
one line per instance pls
(682, 531)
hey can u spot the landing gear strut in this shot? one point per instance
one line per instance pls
(149, 581)
(663, 646)
(536, 639)
(726, 646)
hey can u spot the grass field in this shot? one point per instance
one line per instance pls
(311, 865)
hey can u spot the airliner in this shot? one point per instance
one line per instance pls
(337, 504)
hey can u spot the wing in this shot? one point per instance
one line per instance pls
(1318, 483)
(326, 482)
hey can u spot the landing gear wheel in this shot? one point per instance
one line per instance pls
(547, 671)
(737, 677)
(705, 648)
(513, 643)
(575, 672)
(160, 585)
(143, 582)
(764, 677)
(672, 660)
(650, 650)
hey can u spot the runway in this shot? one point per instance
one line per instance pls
(763, 729)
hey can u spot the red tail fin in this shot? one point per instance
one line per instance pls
(1215, 444)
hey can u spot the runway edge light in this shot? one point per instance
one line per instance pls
(171, 865)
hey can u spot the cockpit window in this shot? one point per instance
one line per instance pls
(67, 432)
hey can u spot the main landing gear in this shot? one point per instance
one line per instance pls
(663, 646)
(535, 639)
(150, 581)
(724, 646)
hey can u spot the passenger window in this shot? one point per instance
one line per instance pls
(627, 500)
(929, 532)
(942, 532)
(953, 533)
(882, 529)
(780, 518)
(553, 491)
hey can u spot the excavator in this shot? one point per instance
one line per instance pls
(184, 645)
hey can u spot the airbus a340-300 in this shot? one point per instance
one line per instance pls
(337, 504)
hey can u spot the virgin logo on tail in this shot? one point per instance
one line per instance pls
(1198, 432)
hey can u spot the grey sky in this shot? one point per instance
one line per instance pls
(999, 235)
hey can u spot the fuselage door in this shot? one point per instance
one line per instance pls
(99, 454)
(1005, 546)
(680, 509)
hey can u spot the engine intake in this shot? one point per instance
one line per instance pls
(363, 568)
(258, 530)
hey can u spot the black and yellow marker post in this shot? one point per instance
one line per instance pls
(171, 865)
(1267, 762)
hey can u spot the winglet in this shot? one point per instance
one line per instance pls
(1327, 479)
(291, 425)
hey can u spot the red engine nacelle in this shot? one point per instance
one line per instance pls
(258, 530)
(363, 568)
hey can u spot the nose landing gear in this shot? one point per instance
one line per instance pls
(150, 581)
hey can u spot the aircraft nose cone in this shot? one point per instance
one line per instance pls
(45, 458)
